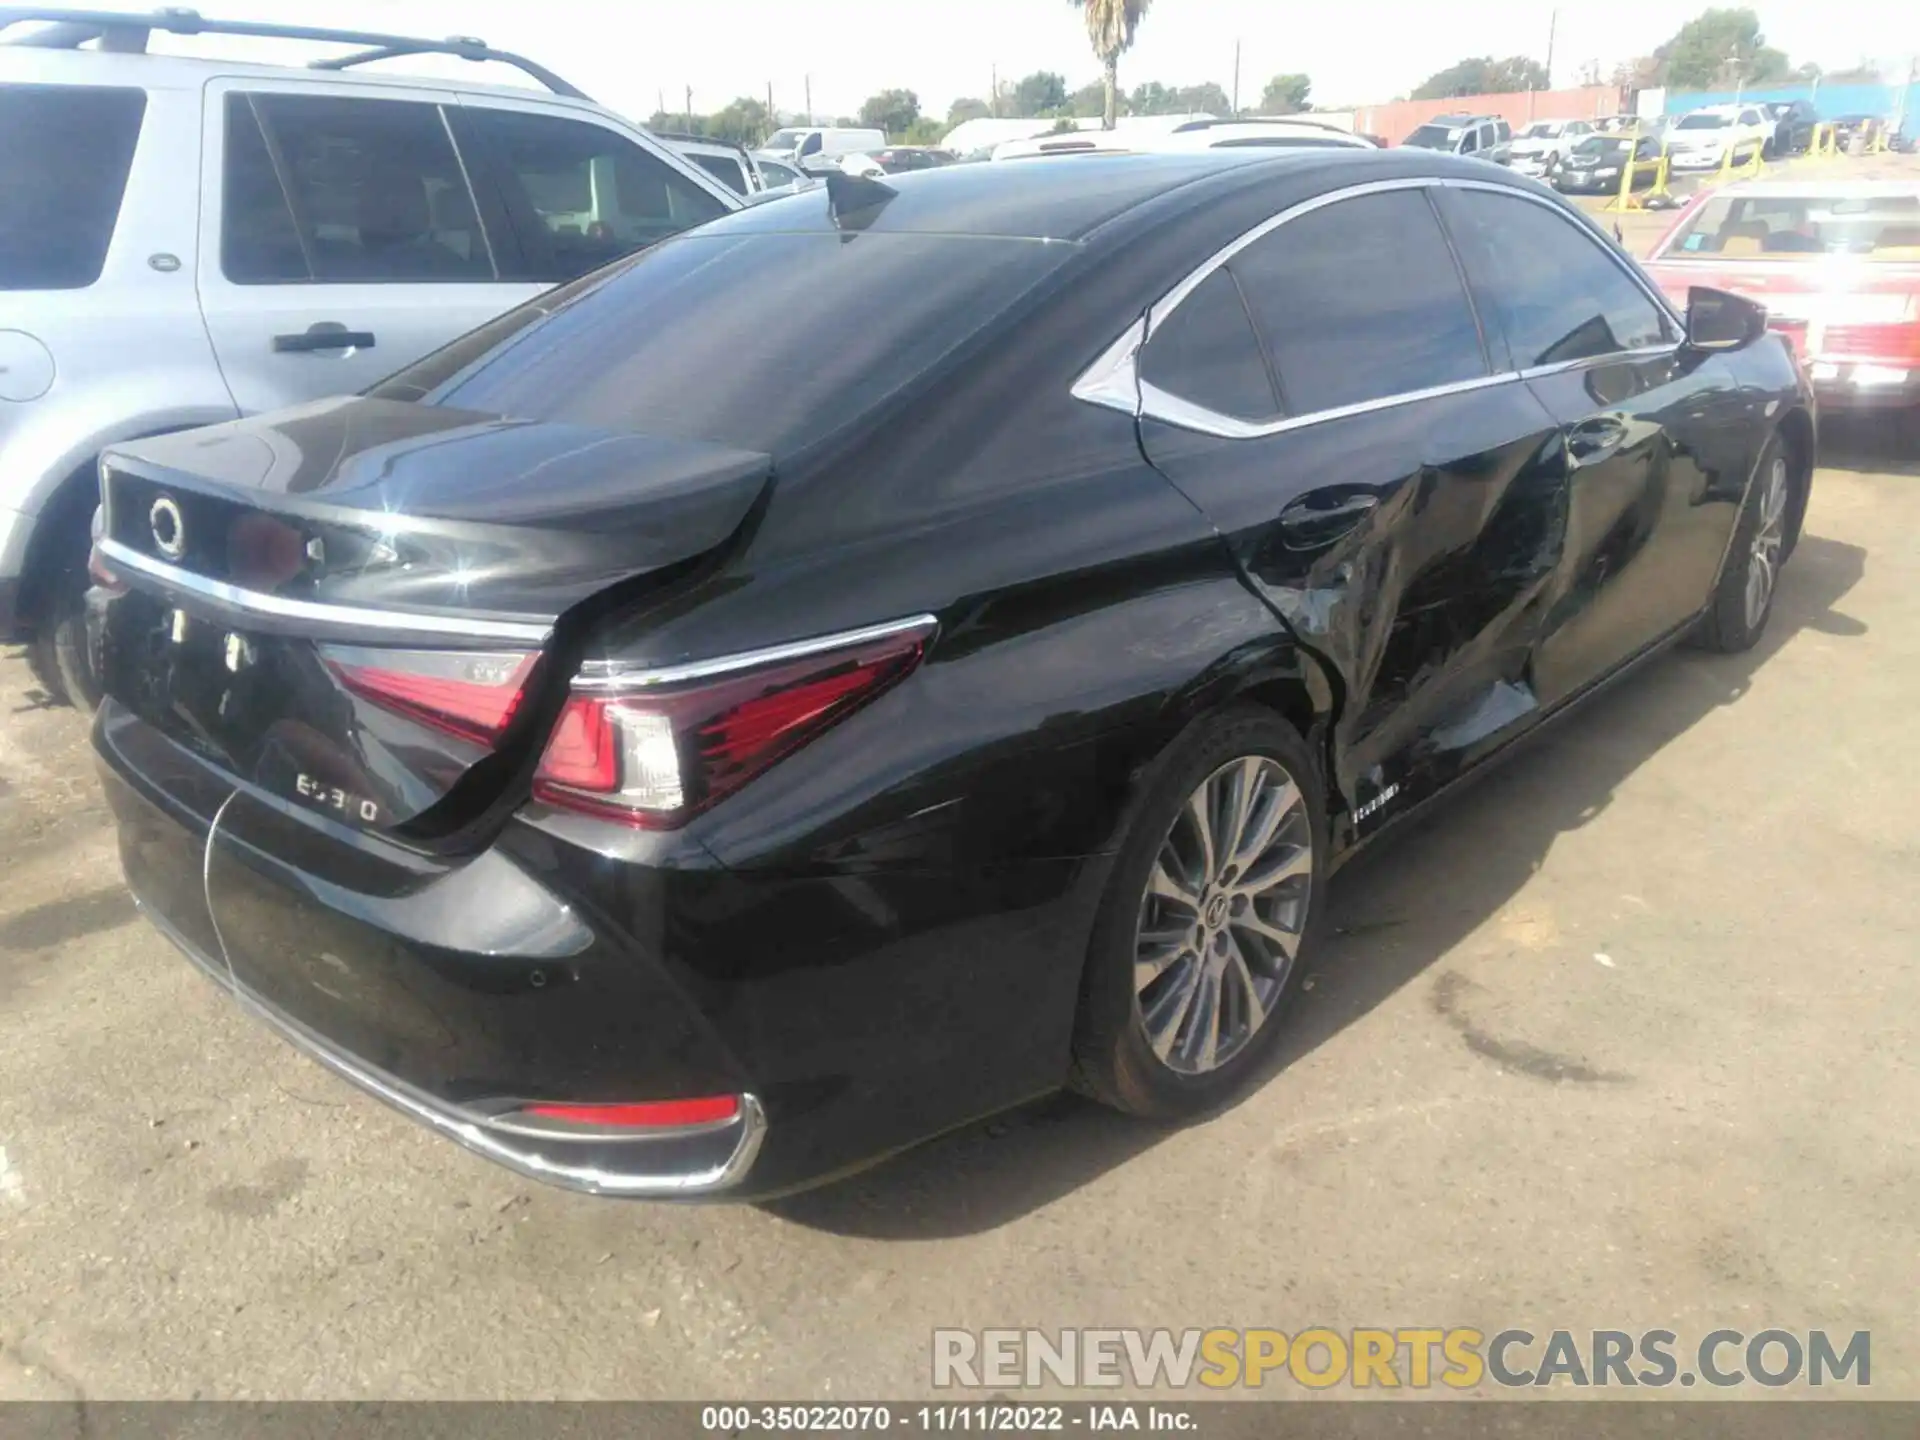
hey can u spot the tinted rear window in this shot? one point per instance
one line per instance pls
(64, 155)
(765, 341)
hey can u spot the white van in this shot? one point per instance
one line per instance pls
(804, 144)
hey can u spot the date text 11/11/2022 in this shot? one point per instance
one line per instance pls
(985, 1418)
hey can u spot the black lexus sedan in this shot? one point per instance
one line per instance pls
(905, 648)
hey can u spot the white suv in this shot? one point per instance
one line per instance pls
(187, 240)
(1702, 139)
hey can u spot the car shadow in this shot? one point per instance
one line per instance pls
(1399, 908)
(1870, 442)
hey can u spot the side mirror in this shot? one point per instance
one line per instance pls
(1717, 320)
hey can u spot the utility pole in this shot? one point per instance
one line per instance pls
(993, 94)
(809, 100)
(689, 109)
(660, 96)
(1236, 80)
(1553, 25)
(770, 119)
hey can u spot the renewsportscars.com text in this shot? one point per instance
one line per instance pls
(1401, 1358)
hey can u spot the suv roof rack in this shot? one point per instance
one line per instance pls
(683, 137)
(127, 34)
(1187, 127)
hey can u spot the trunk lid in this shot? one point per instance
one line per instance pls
(353, 604)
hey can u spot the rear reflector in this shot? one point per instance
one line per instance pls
(643, 1115)
(468, 694)
(653, 754)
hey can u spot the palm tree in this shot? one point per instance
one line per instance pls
(1110, 26)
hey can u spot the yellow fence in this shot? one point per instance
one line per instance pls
(1631, 199)
(1754, 164)
(1826, 140)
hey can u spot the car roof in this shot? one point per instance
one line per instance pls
(160, 71)
(1069, 198)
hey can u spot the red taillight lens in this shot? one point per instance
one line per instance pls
(656, 754)
(644, 1115)
(466, 694)
(1886, 344)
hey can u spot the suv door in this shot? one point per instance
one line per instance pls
(1325, 399)
(1647, 430)
(340, 239)
(577, 192)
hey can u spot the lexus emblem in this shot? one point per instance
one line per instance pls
(169, 528)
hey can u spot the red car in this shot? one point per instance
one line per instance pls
(1836, 263)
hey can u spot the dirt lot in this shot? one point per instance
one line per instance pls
(1623, 1038)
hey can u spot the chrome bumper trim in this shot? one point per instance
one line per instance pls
(471, 1131)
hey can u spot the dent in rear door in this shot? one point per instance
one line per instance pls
(339, 238)
(1403, 511)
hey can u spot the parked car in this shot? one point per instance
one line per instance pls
(899, 159)
(775, 172)
(1542, 145)
(187, 240)
(1702, 139)
(822, 145)
(1594, 166)
(726, 162)
(668, 764)
(1475, 135)
(1856, 324)
(1793, 126)
(1619, 124)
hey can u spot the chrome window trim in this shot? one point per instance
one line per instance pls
(1113, 379)
(616, 675)
(315, 612)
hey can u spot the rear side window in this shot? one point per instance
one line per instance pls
(1557, 294)
(64, 155)
(581, 196)
(727, 171)
(765, 341)
(324, 189)
(1206, 353)
(1360, 300)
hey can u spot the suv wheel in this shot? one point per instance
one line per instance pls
(58, 651)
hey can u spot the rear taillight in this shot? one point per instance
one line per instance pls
(653, 750)
(1893, 344)
(470, 695)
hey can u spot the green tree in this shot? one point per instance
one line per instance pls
(967, 108)
(893, 111)
(1090, 101)
(1151, 98)
(1208, 97)
(1285, 95)
(1041, 93)
(1110, 28)
(925, 131)
(1483, 75)
(744, 122)
(1719, 47)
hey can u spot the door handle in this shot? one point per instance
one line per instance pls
(1321, 517)
(323, 335)
(1594, 440)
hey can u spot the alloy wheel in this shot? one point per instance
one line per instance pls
(1221, 919)
(1769, 538)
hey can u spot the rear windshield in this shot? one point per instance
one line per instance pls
(1603, 147)
(765, 341)
(64, 155)
(1879, 227)
(1703, 121)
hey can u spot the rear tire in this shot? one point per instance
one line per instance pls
(57, 650)
(1742, 602)
(1205, 928)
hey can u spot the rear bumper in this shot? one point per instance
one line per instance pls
(714, 1159)
(1842, 390)
(852, 1014)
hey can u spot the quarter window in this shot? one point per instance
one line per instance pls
(63, 169)
(582, 195)
(1557, 294)
(1206, 352)
(1360, 300)
(330, 190)
(724, 169)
